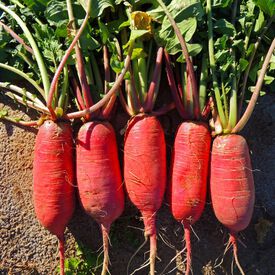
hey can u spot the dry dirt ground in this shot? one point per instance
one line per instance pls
(27, 248)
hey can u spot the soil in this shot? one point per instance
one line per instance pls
(27, 248)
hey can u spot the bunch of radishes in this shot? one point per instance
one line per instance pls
(136, 81)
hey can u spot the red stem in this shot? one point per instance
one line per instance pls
(106, 67)
(106, 98)
(149, 101)
(173, 87)
(61, 66)
(124, 103)
(178, 80)
(106, 111)
(83, 78)
(190, 67)
(164, 109)
(189, 95)
(134, 94)
(206, 111)
(78, 93)
(17, 37)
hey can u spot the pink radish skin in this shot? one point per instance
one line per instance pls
(53, 176)
(99, 178)
(188, 179)
(145, 172)
(232, 185)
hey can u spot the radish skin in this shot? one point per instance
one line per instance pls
(232, 185)
(53, 176)
(145, 172)
(99, 178)
(188, 177)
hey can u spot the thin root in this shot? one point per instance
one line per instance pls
(136, 252)
(61, 254)
(105, 236)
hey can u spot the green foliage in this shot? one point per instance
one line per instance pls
(98, 6)
(187, 14)
(267, 6)
(85, 262)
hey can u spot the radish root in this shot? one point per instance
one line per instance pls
(136, 252)
(233, 241)
(61, 254)
(153, 253)
(188, 248)
(105, 236)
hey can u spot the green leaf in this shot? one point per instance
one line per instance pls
(166, 36)
(187, 28)
(272, 63)
(115, 64)
(185, 9)
(138, 53)
(36, 5)
(243, 64)
(267, 6)
(104, 32)
(259, 22)
(193, 49)
(135, 34)
(268, 79)
(222, 3)
(98, 6)
(3, 113)
(224, 27)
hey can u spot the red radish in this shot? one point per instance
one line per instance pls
(189, 171)
(98, 177)
(145, 172)
(231, 184)
(53, 176)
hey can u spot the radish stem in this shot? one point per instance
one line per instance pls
(80, 62)
(251, 105)
(25, 76)
(16, 37)
(203, 82)
(112, 91)
(63, 62)
(256, 46)
(190, 67)
(154, 85)
(213, 65)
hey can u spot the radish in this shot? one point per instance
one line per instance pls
(231, 179)
(98, 177)
(145, 172)
(98, 173)
(191, 152)
(144, 140)
(53, 171)
(53, 179)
